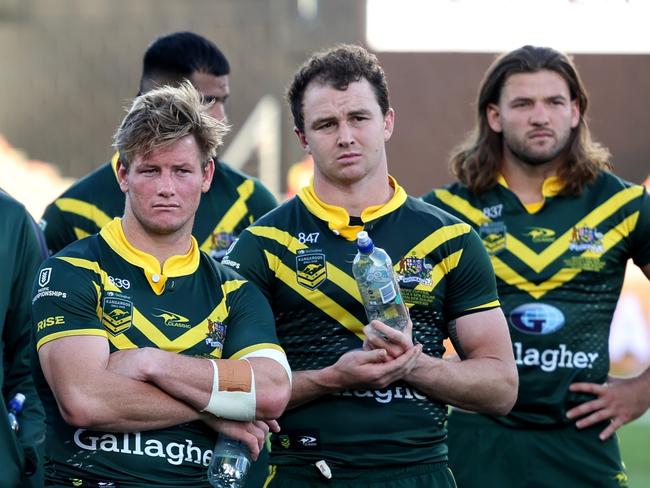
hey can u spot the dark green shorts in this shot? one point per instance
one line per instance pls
(485, 454)
(436, 475)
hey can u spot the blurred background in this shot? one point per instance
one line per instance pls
(71, 66)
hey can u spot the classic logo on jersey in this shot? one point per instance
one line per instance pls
(540, 234)
(311, 269)
(412, 269)
(586, 239)
(221, 242)
(493, 235)
(117, 312)
(537, 318)
(216, 334)
(44, 276)
(173, 319)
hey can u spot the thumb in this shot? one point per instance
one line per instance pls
(377, 356)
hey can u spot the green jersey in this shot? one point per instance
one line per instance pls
(102, 286)
(232, 203)
(300, 255)
(560, 269)
(20, 258)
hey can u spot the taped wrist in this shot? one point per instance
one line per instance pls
(233, 390)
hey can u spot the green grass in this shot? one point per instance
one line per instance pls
(635, 448)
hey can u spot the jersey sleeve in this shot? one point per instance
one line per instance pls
(473, 284)
(65, 302)
(641, 233)
(57, 230)
(247, 257)
(250, 325)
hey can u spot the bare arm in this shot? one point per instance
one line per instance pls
(619, 400)
(190, 379)
(354, 369)
(485, 381)
(91, 396)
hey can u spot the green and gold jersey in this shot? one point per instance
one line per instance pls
(232, 203)
(102, 286)
(559, 269)
(300, 255)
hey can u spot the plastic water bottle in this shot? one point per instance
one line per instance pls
(373, 271)
(15, 406)
(229, 465)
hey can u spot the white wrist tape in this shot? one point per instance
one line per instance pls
(276, 354)
(233, 404)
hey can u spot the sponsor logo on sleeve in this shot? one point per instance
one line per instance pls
(44, 277)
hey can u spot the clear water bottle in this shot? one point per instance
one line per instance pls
(230, 462)
(373, 271)
(15, 406)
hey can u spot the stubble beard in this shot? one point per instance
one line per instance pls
(532, 158)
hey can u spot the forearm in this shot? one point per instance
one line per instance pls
(120, 404)
(310, 385)
(191, 380)
(485, 385)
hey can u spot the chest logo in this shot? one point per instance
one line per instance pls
(586, 239)
(173, 319)
(540, 234)
(44, 277)
(216, 335)
(537, 318)
(311, 269)
(493, 235)
(414, 270)
(117, 312)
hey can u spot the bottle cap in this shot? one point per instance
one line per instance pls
(364, 242)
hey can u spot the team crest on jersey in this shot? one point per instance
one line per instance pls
(586, 239)
(284, 441)
(413, 269)
(540, 234)
(221, 242)
(311, 269)
(216, 334)
(493, 235)
(117, 312)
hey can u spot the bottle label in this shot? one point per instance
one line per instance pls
(387, 292)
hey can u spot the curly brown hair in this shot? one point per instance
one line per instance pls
(477, 160)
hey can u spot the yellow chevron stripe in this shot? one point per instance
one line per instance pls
(83, 209)
(234, 215)
(437, 238)
(80, 233)
(538, 262)
(317, 298)
(287, 240)
(472, 213)
(70, 333)
(121, 342)
(192, 336)
(94, 267)
(610, 239)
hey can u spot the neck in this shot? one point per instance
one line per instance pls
(354, 197)
(160, 246)
(526, 180)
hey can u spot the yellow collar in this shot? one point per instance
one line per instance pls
(550, 188)
(338, 219)
(175, 266)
